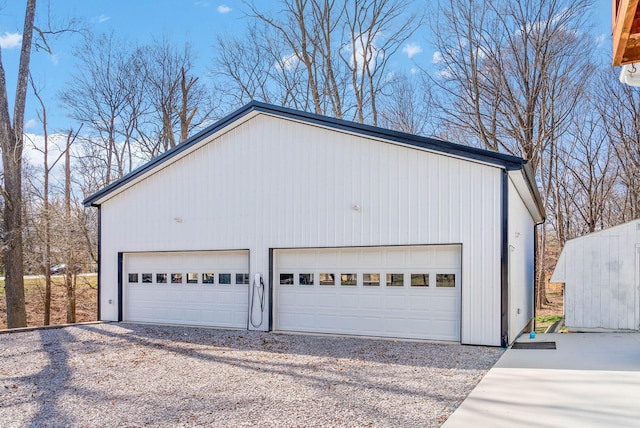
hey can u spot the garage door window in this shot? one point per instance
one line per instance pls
(350, 279)
(371, 279)
(208, 278)
(286, 278)
(446, 280)
(327, 279)
(133, 277)
(147, 278)
(176, 278)
(419, 279)
(224, 278)
(242, 278)
(192, 278)
(161, 278)
(305, 279)
(395, 280)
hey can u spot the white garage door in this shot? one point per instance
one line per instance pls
(194, 288)
(404, 292)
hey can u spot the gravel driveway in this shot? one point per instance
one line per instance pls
(143, 375)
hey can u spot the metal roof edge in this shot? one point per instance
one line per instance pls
(507, 161)
(530, 178)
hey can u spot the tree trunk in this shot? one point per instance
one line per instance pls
(11, 141)
(12, 216)
(70, 270)
(46, 208)
(540, 283)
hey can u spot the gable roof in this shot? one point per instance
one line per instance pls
(510, 163)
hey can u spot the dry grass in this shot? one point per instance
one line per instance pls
(86, 300)
(553, 311)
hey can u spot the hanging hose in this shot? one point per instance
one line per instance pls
(258, 290)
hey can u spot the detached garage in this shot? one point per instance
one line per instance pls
(601, 273)
(276, 219)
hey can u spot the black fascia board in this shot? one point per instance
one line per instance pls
(507, 161)
(530, 177)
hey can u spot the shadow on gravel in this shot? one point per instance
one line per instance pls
(209, 344)
(400, 379)
(409, 353)
(50, 382)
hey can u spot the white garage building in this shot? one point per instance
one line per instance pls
(601, 274)
(351, 229)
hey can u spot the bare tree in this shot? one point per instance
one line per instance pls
(176, 100)
(259, 66)
(622, 129)
(323, 56)
(375, 30)
(585, 179)
(100, 96)
(46, 208)
(505, 68)
(406, 106)
(11, 143)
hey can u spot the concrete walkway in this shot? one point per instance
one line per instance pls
(590, 380)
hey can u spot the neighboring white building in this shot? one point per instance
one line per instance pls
(601, 273)
(353, 229)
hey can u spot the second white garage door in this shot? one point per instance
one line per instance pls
(207, 288)
(404, 292)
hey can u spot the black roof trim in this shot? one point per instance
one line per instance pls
(507, 161)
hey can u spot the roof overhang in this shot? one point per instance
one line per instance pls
(625, 31)
(524, 181)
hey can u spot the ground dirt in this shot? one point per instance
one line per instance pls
(552, 311)
(86, 301)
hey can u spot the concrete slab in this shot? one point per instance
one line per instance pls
(590, 380)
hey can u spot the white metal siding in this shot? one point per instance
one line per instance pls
(199, 303)
(276, 183)
(521, 264)
(601, 287)
(406, 311)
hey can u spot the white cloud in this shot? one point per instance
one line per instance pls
(202, 3)
(223, 8)
(31, 123)
(445, 73)
(414, 70)
(288, 62)
(10, 40)
(437, 57)
(102, 18)
(34, 143)
(366, 52)
(412, 49)
(54, 59)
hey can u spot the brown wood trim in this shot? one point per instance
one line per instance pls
(625, 11)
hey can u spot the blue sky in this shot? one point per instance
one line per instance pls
(140, 21)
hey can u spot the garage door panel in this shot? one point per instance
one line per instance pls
(349, 301)
(396, 303)
(199, 303)
(371, 302)
(420, 303)
(326, 298)
(371, 259)
(375, 309)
